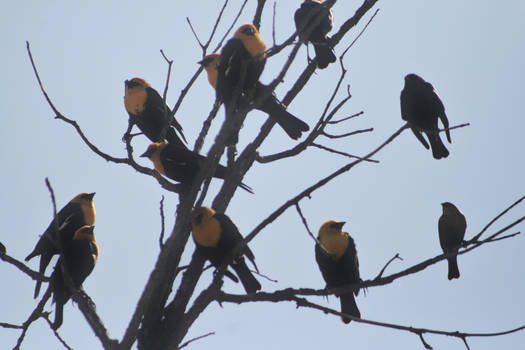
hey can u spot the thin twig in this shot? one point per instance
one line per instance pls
(194, 34)
(45, 316)
(380, 274)
(196, 338)
(324, 133)
(170, 62)
(313, 144)
(476, 237)
(161, 238)
(273, 23)
(346, 118)
(425, 344)
(303, 219)
(360, 33)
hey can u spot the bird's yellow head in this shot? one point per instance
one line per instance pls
(201, 214)
(210, 63)
(136, 83)
(83, 198)
(252, 40)
(331, 227)
(153, 149)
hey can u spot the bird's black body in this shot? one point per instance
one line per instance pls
(228, 240)
(233, 56)
(339, 265)
(451, 227)
(79, 257)
(181, 164)
(154, 119)
(69, 219)
(318, 35)
(421, 107)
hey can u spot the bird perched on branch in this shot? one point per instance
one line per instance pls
(451, 227)
(305, 17)
(337, 259)
(78, 212)
(79, 258)
(242, 63)
(421, 107)
(292, 125)
(147, 110)
(181, 164)
(216, 236)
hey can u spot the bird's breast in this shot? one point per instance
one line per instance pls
(208, 233)
(335, 244)
(135, 101)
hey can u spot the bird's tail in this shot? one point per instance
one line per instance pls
(324, 54)
(453, 270)
(174, 139)
(59, 315)
(250, 283)
(438, 148)
(292, 125)
(349, 307)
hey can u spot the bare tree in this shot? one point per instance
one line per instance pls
(167, 309)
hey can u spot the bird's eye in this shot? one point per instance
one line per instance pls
(248, 31)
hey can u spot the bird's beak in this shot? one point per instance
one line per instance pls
(91, 195)
(145, 154)
(340, 225)
(200, 62)
(126, 82)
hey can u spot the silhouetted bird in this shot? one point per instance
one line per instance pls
(421, 107)
(451, 227)
(318, 36)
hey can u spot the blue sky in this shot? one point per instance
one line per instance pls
(471, 51)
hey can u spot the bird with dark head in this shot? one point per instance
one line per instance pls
(421, 107)
(292, 125)
(78, 259)
(80, 211)
(242, 62)
(216, 236)
(147, 110)
(451, 227)
(181, 164)
(305, 18)
(336, 256)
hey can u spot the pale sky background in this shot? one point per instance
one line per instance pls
(473, 52)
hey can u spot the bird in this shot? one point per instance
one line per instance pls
(216, 236)
(292, 125)
(242, 58)
(78, 212)
(79, 257)
(181, 164)
(421, 107)
(318, 35)
(146, 109)
(451, 227)
(336, 256)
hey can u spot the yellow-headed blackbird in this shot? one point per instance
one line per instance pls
(78, 212)
(337, 260)
(451, 228)
(292, 125)
(216, 236)
(147, 110)
(180, 164)
(318, 36)
(79, 256)
(245, 49)
(421, 107)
